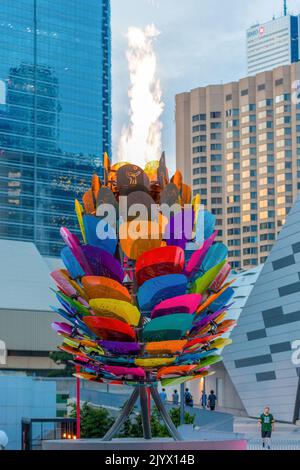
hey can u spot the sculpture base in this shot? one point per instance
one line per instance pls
(140, 392)
(142, 444)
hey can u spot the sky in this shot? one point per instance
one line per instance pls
(201, 42)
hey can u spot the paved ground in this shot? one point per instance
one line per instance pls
(249, 427)
(285, 436)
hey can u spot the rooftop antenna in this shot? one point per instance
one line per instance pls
(284, 8)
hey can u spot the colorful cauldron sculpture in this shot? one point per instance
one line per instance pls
(147, 303)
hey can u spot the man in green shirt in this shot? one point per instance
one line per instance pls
(266, 423)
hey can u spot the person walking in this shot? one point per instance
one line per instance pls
(187, 397)
(266, 423)
(163, 395)
(203, 402)
(175, 397)
(212, 400)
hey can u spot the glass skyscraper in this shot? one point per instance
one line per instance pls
(55, 113)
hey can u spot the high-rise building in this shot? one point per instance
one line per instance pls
(238, 145)
(272, 44)
(55, 113)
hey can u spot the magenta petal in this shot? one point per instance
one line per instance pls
(197, 258)
(182, 304)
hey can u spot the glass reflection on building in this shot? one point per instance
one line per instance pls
(55, 113)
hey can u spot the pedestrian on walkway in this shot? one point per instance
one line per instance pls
(188, 398)
(203, 402)
(175, 398)
(212, 400)
(163, 395)
(266, 423)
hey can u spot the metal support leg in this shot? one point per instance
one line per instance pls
(125, 413)
(182, 403)
(164, 414)
(145, 412)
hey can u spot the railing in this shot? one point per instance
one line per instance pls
(276, 444)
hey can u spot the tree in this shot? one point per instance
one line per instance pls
(95, 422)
(133, 425)
(60, 357)
(175, 415)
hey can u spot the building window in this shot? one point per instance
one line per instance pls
(216, 190)
(216, 147)
(234, 253)
(228, 97)
(251, 262)
(234, 231)
(248, 107)
(232, 123)
(236, 265)
(233, 199)
(216, 125)
(261, 87)
(199, 138)
(199, 128)
(217, 200)
(216, 179)
(201, 191)
(285, 97)
(200, 149)
(199, 171)
(244, 92)
(264, 103)
(216, 158)
(234, 242)
(215, 115)
(232, 112)
(216, 168)
(217, 211)
(250, 240)
(267, 236)
(23, 353)
(250, 229)
(199, 117)
(234, 220)
(198, 181)
(266, 248)
(198, 160)
(216, 136)
(233, 210)
(250, 251)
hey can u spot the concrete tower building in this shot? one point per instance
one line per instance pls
(238, 145)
